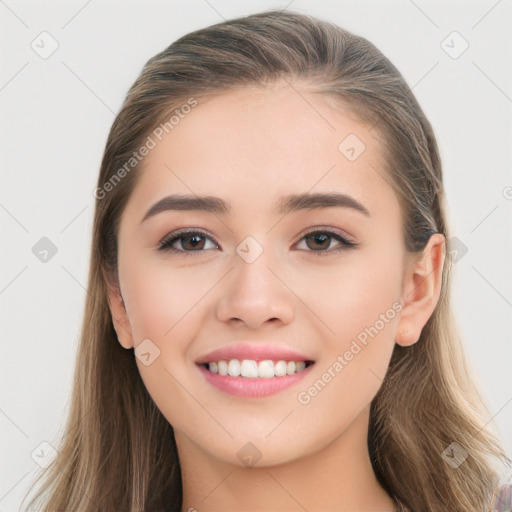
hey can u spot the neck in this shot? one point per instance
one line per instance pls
(337, 477)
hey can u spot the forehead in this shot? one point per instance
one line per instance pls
(253, 145)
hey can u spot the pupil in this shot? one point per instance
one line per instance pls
(194, 237)
(321, 238)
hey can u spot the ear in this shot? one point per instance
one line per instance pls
(421, 290)
(119, 314)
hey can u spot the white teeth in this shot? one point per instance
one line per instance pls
(299, 366)
(290, 367)
(223, 367)
(251, 369)
(280, 369)
(234, 368)
(266, 369)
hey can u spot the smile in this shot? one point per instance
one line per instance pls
(252, 369)
(270, 379)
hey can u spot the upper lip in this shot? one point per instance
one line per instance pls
(252, 351)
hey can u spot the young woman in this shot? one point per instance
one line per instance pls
(268, 323)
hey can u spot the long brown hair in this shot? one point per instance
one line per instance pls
(118, 451)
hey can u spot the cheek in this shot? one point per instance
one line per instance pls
(163, 301)
(362, 310)
(164, 306)
(360, 293)
(360, 305)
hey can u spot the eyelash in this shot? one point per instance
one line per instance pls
(166, 243)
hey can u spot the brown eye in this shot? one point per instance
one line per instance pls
(320, 241)
(192, 242)
(186, 241)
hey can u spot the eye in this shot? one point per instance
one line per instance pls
(319, 240)
(190, 241)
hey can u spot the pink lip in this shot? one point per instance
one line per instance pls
(256, 352)
(257, 387)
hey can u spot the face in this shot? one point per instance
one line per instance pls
(255, 277)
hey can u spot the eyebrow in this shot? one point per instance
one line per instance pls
(284, 205)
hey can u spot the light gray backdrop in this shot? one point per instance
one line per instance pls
(66, 67)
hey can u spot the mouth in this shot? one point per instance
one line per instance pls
(256, 369)
(269, 383)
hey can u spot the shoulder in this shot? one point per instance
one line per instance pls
(502, 500)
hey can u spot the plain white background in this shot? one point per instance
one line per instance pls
(56, 113)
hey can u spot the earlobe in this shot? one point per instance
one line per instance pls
(421, 290)
(119, 314)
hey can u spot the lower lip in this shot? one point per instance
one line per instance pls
(255, 387)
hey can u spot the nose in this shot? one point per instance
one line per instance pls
(255, 294)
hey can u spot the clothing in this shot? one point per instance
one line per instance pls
(502, 501)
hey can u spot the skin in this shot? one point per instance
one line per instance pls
(250, 147)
